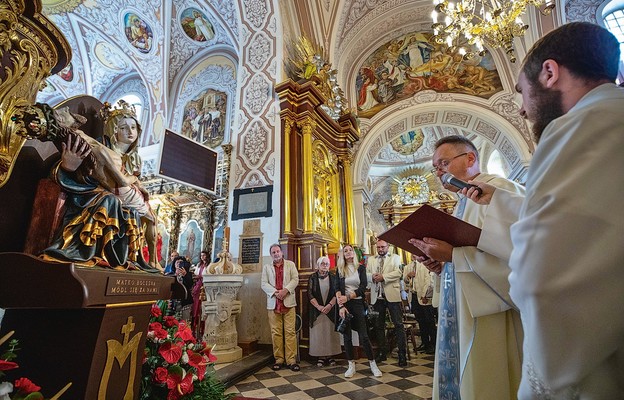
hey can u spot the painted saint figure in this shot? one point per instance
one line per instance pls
(203, 29)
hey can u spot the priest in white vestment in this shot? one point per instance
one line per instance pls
(488, 326)
(566, 244)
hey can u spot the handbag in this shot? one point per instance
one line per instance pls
(370, 313)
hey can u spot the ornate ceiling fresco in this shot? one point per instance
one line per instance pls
(167, 53)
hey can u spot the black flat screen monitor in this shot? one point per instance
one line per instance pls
(188, 162)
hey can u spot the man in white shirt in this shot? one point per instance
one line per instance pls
(565, 246)
(384, 274)
(479, 339)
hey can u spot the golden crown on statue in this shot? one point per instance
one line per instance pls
(124, 108)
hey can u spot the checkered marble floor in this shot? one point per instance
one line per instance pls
(312, 382)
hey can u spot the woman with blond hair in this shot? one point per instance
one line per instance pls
(351, 285)
(324, 340)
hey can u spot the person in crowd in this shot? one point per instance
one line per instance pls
(184, 277)
(419, 280)
(384, 273)
(565, 245)
(170, 266)
(324, 340)
(279, 281)
(198, 285)
(351, 283)
(479, 352)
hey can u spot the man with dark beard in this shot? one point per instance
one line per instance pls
(565, 243)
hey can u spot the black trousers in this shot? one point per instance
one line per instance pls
(381, 305)
(357, 309)
(426, 321)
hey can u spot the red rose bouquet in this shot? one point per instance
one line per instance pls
(22, 388)
(176, 366)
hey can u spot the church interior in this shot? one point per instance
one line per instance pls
(313, 121)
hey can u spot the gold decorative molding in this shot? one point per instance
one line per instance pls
(31, 48)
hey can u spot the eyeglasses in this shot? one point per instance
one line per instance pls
(443, 164)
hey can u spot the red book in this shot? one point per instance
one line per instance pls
(433, 223)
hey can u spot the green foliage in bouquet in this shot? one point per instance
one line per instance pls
(177, 366)
(22, 388)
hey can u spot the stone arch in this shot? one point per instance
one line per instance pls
(472, 118)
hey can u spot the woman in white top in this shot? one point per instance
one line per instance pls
(351, 285)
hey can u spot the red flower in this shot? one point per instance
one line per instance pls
(26, 386)
(156, 311)
(185, 333)
(161, 375)
(7, 365)
(179, 386)
(170, 321)
(199, 362)
(154, 326)
(207, 351)
(170, 352)
(158, 331)
(161, 334)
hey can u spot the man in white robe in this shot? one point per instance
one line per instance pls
(566, 244)
(488, 325)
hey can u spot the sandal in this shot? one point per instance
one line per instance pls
(295, 367)
(320, 363)
(331, 362)
(276, 367)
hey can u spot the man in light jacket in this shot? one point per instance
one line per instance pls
(279, 281)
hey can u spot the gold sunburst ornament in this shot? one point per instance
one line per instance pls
(414, 186)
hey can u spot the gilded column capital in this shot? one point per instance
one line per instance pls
(288, 124)
(307, 126)
(346, 159)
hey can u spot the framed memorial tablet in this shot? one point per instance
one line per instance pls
(253, 202)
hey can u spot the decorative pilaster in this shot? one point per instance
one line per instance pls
(307, 127)
(348, 193)
(287, 184)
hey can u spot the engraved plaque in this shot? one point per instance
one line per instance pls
(250, 250)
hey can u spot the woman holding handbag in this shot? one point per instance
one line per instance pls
(351, 285)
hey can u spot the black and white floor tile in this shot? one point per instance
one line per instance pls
(329, 383)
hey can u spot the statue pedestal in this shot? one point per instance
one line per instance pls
(220, 310)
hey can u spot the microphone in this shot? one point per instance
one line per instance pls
(449, 179)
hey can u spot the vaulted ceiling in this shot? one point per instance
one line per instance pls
(164, 69)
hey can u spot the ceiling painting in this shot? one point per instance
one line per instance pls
(138, 32)
(67, 73)
(409, 64)
(196, 25)
(408, 143)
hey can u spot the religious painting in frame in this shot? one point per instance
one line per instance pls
(190, 242)
(253, 202)
(196, 25)
(205, 117)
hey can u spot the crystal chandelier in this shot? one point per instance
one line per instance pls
(481, 23)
